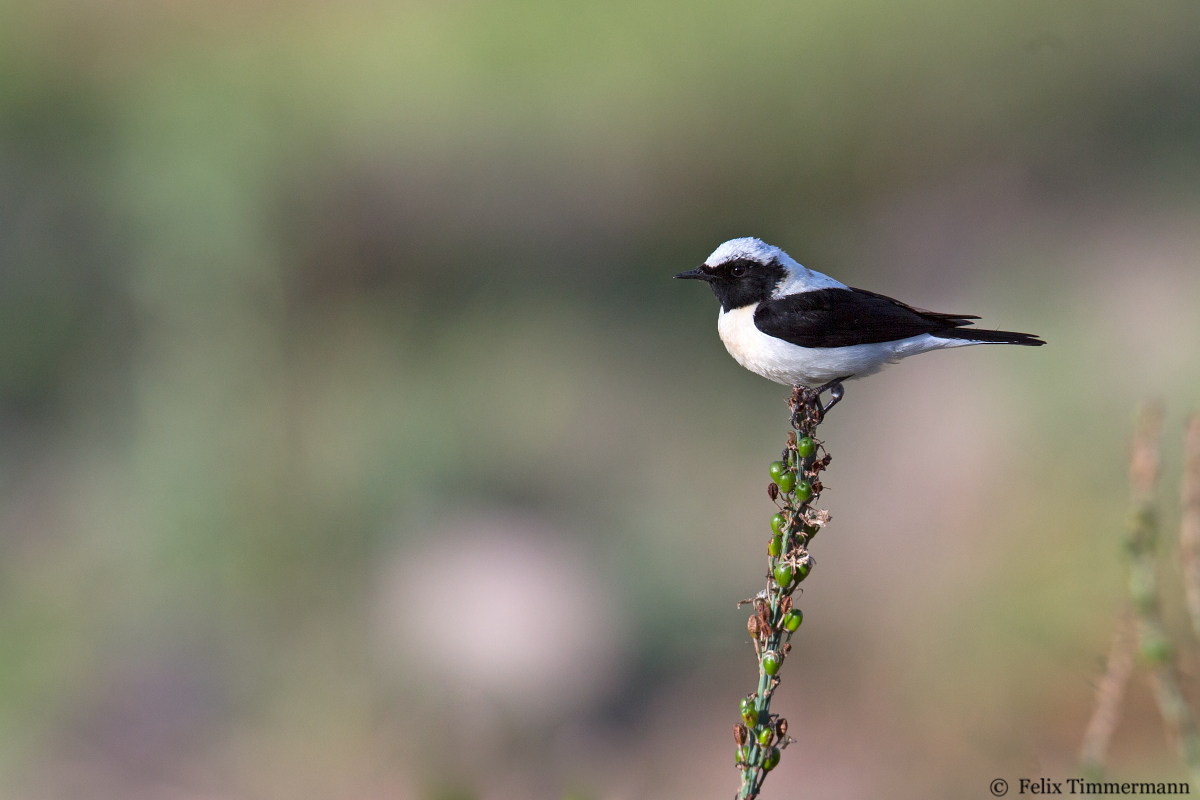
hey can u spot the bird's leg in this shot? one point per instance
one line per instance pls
(807, 402)
(836, 393)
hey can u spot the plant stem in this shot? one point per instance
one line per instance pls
(1109, 694)
(1189, 527)
(1143, 587)
(762, 735)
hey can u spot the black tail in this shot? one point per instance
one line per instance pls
(991, 337)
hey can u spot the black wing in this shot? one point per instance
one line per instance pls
(842, 317)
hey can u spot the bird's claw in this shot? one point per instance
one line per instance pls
(836, 393)
(806, 402)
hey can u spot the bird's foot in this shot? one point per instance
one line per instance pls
(806, 402)
(836, 393)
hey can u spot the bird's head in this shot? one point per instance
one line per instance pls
(745, 271)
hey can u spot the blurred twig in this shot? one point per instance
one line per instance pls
(1109, 695)
(761, 735)
(1189, 528)
(1143, 588)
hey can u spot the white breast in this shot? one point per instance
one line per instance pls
(789, 364)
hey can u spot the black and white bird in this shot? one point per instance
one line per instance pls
(796, 326)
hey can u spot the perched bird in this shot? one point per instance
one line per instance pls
(797, 326)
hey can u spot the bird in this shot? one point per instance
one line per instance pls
(798, 327)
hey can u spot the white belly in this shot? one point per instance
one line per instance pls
(790, 364)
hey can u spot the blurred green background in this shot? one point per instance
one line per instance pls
(354, 442)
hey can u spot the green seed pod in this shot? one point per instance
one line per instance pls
(764, 736)
(803, 571)
(777, 469)
(786, 482)
(783, 575)
(793, 619)
(743, 755)
(804, 491)
(777, 523)
(772, 759)
(806, 447)
(771, 662)
(749, 712)
(775, 547)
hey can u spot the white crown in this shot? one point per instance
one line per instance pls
(751, 248)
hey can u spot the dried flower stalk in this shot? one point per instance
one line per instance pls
(1143, 587)
(795, 486)
(1189, 527)
(1109, 695)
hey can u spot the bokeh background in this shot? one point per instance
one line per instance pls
(354, 442)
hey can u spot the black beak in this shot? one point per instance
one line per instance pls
(697, 274)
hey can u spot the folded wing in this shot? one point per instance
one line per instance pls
(844, 317)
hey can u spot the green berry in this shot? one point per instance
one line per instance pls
(803, 571)
(772, 661)
(743, 755)
(749, 712)
(786, 482)
(806, 447)
(803, 491)
(764, 736)
(777, 469)
(772, 759)
(775, 547)
(777, 523)
(792, 620)
(783, 575)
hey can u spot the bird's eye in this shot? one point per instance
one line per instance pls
(738, 270)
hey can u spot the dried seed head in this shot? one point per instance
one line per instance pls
(787, 648)
(785, 605)
(781, 727)
(772, 491)
(817, 518)
(816, 487)
(753, 626)
(741, 734)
